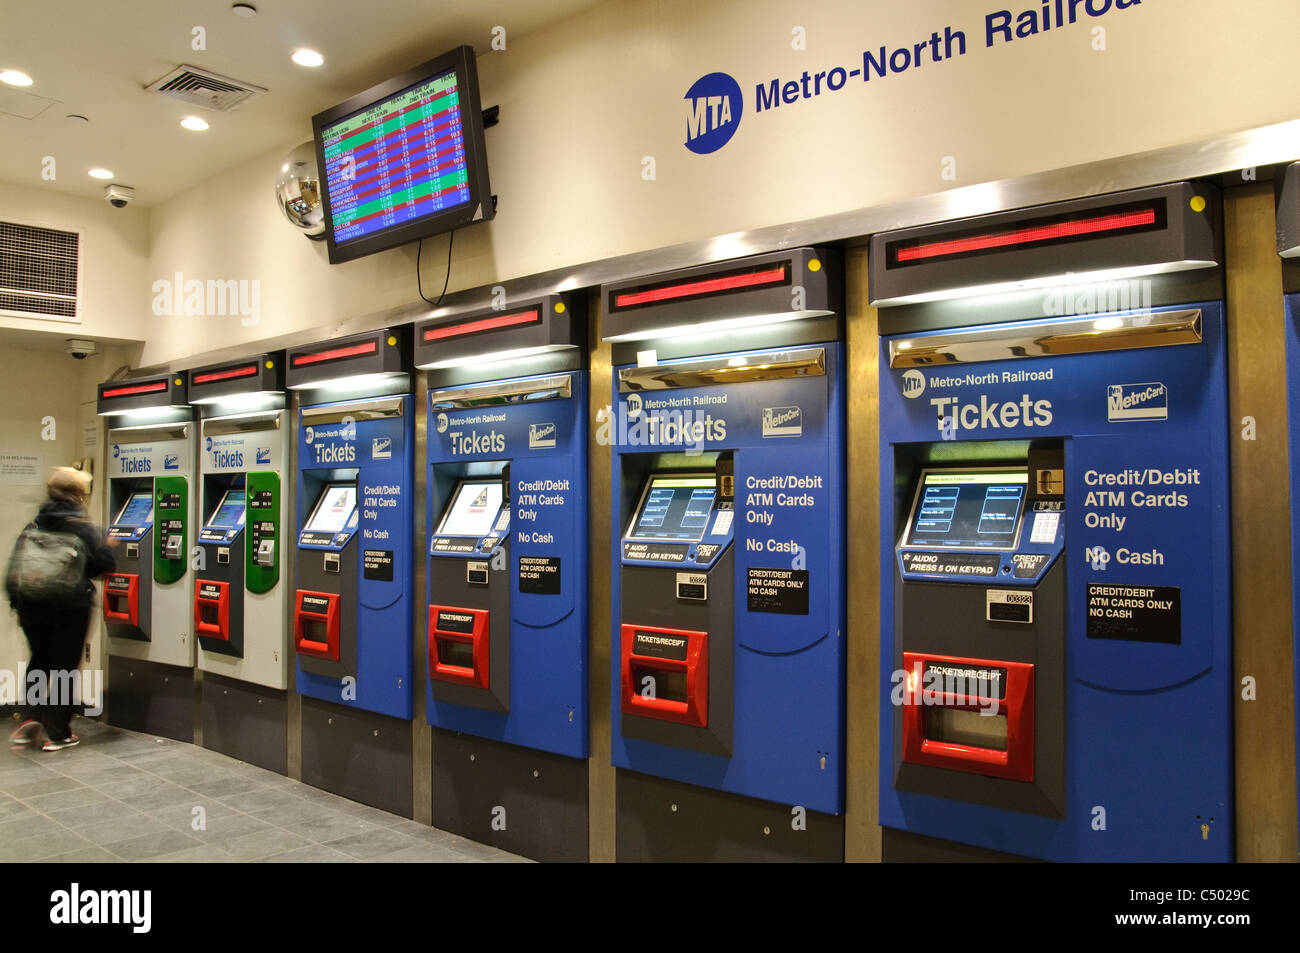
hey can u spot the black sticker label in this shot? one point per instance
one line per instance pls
(969, 680)
(377, 564)
(118, 582)
(952, 564)
(315, 539)
(778, 590)
(657, 552)
(208, 590)
(539, 575)
(706, 551)
(659, 645)
(169, 501)
(314, 604)
(262, 500)
(1135, 613)
(461, 623)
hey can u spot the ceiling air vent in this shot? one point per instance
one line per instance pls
(201, 88)
(38, 272)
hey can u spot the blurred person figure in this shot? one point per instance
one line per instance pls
(49, 585)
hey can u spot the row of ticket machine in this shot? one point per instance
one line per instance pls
(1055, 641)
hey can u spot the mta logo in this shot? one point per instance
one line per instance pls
(442, 423)
(633, 405)
(714, 105)
(207, 444)
(913, 384)
(117, 451)
(310, 435)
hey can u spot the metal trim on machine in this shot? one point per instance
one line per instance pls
(1042, 339)
(358, 410)
(768, 366)
(499, 392)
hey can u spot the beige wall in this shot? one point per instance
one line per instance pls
(35, 385)
(114, 259)
(583, 102)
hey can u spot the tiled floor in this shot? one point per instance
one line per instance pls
(121, 796)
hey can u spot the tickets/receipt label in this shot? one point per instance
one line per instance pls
(722, 524)
(1045, 524)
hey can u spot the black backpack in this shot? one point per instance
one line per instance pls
(46, 567)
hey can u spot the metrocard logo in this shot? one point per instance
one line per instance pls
(1137, 402)
(541, 436)
(714, 105)
(782, 422)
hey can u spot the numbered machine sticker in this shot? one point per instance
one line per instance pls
(1009, 605)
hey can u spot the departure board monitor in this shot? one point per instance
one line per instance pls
(334, 509)
(229, 513)
(674, 506)
(968, 509)
(404, 160)
(137, 511)
(473, 509)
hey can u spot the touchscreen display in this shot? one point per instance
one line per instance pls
(230, 511)
(473, 510)
(138, 511)
(675, 507)
(335, 508)
(968, 509)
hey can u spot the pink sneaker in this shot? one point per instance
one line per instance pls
(67, 742)
(24, 734)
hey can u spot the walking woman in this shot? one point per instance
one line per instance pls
(56, 629)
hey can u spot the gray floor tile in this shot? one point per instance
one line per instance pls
(17, 826)
(226, 787)
(315, 854)
(40, 846)
(122, 828)
(160, 796)
(50, 783)
(331, 828)
(243, 801)
(147, 846)
(182, 817)
(62, 800)
(96, 773)
(84, 855)
(105, 809)
(290, 815)
(264, 844)
(373, 843)
(422, 854)
(11, 809)
(205, 854)
(222, 830)
(141, 786)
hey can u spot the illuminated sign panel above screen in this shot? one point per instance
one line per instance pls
(404, 160)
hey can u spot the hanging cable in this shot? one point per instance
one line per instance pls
(419, 283)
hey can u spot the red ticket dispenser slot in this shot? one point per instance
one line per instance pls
(458, 645)
(972, 715)
(212, 610)
(122, 598)
(316, 624)
(666, 674)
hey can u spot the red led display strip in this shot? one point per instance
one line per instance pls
(137, 389)
(248, 371)
(334, 355)
(482, 324)
(705, 286)
(1034, 234)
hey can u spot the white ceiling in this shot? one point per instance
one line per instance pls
(96, 58)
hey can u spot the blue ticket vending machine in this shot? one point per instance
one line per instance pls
(1055, 624)
(507, 566)
(1288, 247)
(727, 437)
(351, 616)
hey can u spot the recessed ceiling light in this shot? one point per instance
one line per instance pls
(194, 123)
(245, 10)
(307, 58)
(100, 174)
(15, 78)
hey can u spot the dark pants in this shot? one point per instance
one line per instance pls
(56, 637)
